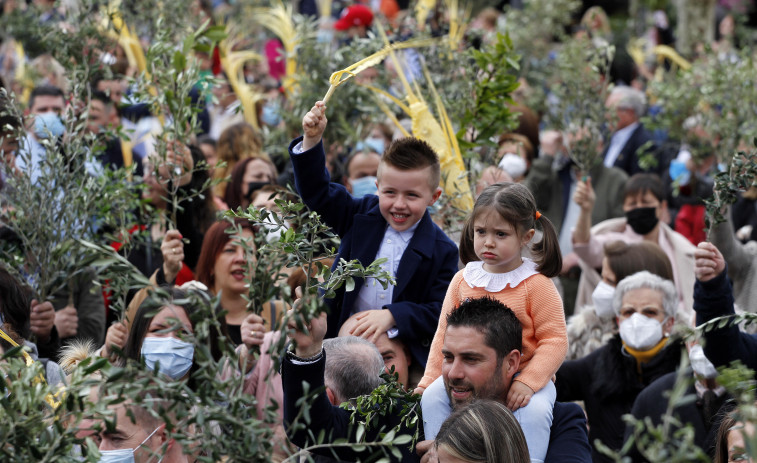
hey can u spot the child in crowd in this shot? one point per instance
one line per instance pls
(501, 224)
(395, 225)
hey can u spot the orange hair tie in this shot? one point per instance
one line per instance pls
(537, 215)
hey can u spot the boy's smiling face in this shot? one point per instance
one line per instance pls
(404, 195)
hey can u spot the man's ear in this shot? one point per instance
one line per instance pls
(331, 396)
(511, 363)
(163, 435)
(435, 195)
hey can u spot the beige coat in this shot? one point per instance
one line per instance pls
(681, 258)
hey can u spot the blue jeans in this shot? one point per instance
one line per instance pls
(535, 418)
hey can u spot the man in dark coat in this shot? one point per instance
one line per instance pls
(629, 141)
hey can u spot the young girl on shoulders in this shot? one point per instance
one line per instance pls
(502, 223)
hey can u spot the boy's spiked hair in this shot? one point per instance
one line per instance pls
(411, 153)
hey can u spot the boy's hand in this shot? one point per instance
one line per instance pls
(313, 125)
(372, 323)
(518, 396)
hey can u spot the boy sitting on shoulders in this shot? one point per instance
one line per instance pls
(394, 225)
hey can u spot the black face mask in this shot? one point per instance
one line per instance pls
(252, 187)
(642, 219)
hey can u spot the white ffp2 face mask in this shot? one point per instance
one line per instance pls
(602, 298)
(700, 364)
(640, 332)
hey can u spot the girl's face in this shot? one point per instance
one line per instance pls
(497, 242)
(164, 323)
(230, 266)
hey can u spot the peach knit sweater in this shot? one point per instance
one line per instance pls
(538, 306)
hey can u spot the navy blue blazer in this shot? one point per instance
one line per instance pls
(333, 421)
(713, 299)
(425, 270)
(569, 436)
(628, 158)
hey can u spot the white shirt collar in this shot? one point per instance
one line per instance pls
(476, 277)
(404, 235)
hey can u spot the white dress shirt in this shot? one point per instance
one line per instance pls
(617, 142)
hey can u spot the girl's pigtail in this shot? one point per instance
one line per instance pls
(467, 250)
(547, 251)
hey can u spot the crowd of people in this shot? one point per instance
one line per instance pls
(563, 303)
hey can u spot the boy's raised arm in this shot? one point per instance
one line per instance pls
(313, 125)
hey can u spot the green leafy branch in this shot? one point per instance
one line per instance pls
(741, 175)
(390, 399)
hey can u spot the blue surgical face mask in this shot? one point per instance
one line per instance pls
(174, 355)
(270, 115)
(122, 455)
(376, 144)
(48, 124)
(363, 186)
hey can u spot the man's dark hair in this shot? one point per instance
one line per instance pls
(101, 97)
(639, 184)
(45, 90)
(410, 154)
(501, 328)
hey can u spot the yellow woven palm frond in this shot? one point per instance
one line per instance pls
(428, 129)
(50, 398)
(340, 77)
(114, 25)
(324, 8)
(454, 173)
(128, 40)
(388, 95)
(233, 63)
(389, 114)
(278, 19)
(664, 51)
(457, 23)
(422, 10)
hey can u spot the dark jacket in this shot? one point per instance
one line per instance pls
(551, 189)
(425, 269)
(634, 149)
(568, 437)
(608, 382)
(333, 421)
(568, 441)
(713, 299)
(703, 414)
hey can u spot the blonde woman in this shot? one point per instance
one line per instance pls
(484, 431)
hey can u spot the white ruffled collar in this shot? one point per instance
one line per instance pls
(476, 277)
